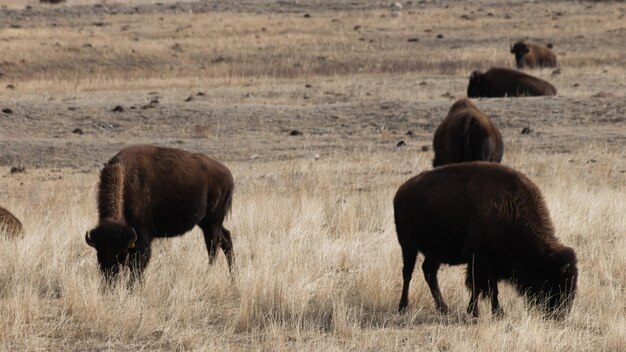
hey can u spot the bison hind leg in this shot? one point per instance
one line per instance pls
(227, 247)
(216, 236)
(409, 256)
(430, 269)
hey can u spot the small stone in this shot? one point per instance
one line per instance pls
(425, 148)
(118, 108)
(7, 111)
(18, 170)
(401, 144)
(77, 131)
(526, 130)
(296, 133)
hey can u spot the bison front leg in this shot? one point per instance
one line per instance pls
(138, 260)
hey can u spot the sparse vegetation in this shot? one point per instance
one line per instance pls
(319, 266)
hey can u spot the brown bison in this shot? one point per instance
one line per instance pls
(9, 224)
(149, 192)
(466, 134)
(503, 82)
(533, 55)
(494, 220)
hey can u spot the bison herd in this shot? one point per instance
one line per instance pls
(467, 210)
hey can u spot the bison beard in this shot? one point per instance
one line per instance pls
(492, 219)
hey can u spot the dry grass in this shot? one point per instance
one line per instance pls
(319, 268)
(319, 264)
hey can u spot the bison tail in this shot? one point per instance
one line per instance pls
(111, 192)
(549, 45)
(468, 153)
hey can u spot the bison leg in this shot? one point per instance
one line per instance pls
(409, 256)
(227, 246)
(138, 260)
(496, 309)
(430, 268)
(473, 283)
(212, 242)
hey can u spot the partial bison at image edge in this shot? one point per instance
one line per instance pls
(503, 82)
(466, 134)
(492, 219)
(149, 192)
(9, 224)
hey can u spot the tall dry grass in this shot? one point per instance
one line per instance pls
(318, 268)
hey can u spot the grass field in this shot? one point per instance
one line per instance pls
(319, 267)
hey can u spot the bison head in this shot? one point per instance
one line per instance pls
(112, 241)
(557, 293)
(474, 87)
(520, 49)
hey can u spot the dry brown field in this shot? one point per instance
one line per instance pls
(319, 266)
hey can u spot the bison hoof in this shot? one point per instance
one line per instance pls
(402, 308)
(498, 313)
(443, 309)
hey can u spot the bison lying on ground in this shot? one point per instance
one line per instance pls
(9, 224)
(533, 55)
(503, 82)
(494, 220)
(148, 192)
(466, 134)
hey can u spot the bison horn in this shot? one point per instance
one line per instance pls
(132, 240)
(564, 268)
(88, 239)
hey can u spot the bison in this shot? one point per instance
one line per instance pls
(503, 82)
(492, 219)
(9, 224)
(466, 134)
(533, 55)
(149, 192)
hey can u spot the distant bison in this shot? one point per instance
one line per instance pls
(466, 134)
(148, 192)
(533, 55)
(9, 224)
(494, 220)
(503, 82)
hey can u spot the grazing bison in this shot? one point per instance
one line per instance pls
(9, 224)
(503, 82)
(149, 192)
(466, 134)
(494, 220)
(533, 55)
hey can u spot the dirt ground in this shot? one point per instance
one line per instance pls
(272, 87)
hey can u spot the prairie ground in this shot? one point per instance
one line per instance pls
(319, 267)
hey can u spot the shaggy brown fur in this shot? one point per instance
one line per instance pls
(503, 82)
(494, 220)
(148, 192)
(532, 55)
(466, 134)
(9, 224)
